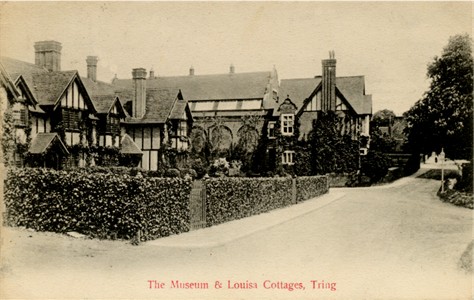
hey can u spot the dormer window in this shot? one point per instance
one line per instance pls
(20, 114)
(287, 124)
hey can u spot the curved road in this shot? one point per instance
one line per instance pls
(396, 242)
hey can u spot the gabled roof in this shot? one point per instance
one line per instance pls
(159, 105)
(352, 89)
(42, 142)
(7, 82)
(17, 67)
(21, 84)
(104, 104)
(128, 146)
(49, 87)
(251, 85)
(102, 95)
(180, 108)
(298, 89)
(98, 87)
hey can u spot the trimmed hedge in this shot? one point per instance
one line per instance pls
(104, 205)
(308, 187)
(232, 198)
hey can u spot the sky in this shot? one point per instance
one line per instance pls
(390, 43)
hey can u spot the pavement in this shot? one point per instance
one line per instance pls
(221, 234)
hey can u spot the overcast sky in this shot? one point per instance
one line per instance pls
(390, 43)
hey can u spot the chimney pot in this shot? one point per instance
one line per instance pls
(139, 99)
(328, 83)
(92, 67)
(48, 55)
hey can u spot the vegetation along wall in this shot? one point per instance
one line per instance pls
(231, 198)
(101, 205)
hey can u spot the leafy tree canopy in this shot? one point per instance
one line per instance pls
(443, 116)
(382, 141)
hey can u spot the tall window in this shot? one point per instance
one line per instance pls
(287, 123)
(113, 124)
(71, 118)
(20, 114)
(287, 157)
(182, 128)
(271, 129)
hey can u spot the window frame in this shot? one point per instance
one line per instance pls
(271, 129)
(287, 126)
(288, 157)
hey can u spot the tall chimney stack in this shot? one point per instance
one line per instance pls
(152, 74)
(191, 71)
(232, 69)
(92, 67)
(328, 96)
(139, 99)
(48, 55)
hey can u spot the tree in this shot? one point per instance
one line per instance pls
(442, 118)
(8, 138)
(379, 140)
(331, 151)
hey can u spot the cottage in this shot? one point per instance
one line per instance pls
(219, 102)
(51, 101)
(159, 120)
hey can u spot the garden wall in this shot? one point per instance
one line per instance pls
(231, 198)
(103, 205)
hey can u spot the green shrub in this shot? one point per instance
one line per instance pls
(457, 198)
(172, 173)
(308, 187)
(375, 165)
(232, 198)
(466, 180)
(412, 165)
(97, 204)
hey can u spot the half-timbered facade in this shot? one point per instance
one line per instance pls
(343, 95)
(219, 102)
(160, 119)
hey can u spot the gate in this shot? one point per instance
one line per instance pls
(197, 205)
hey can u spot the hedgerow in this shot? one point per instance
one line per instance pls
(103, 205)
(308, 187)
(234, 198)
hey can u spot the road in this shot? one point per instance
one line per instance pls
(397, 242)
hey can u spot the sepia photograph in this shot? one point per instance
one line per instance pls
(236, 150)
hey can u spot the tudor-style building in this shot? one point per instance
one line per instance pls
(160, 120)
(307, 98)
(53, 112)
(56, 110)
(219, 100)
